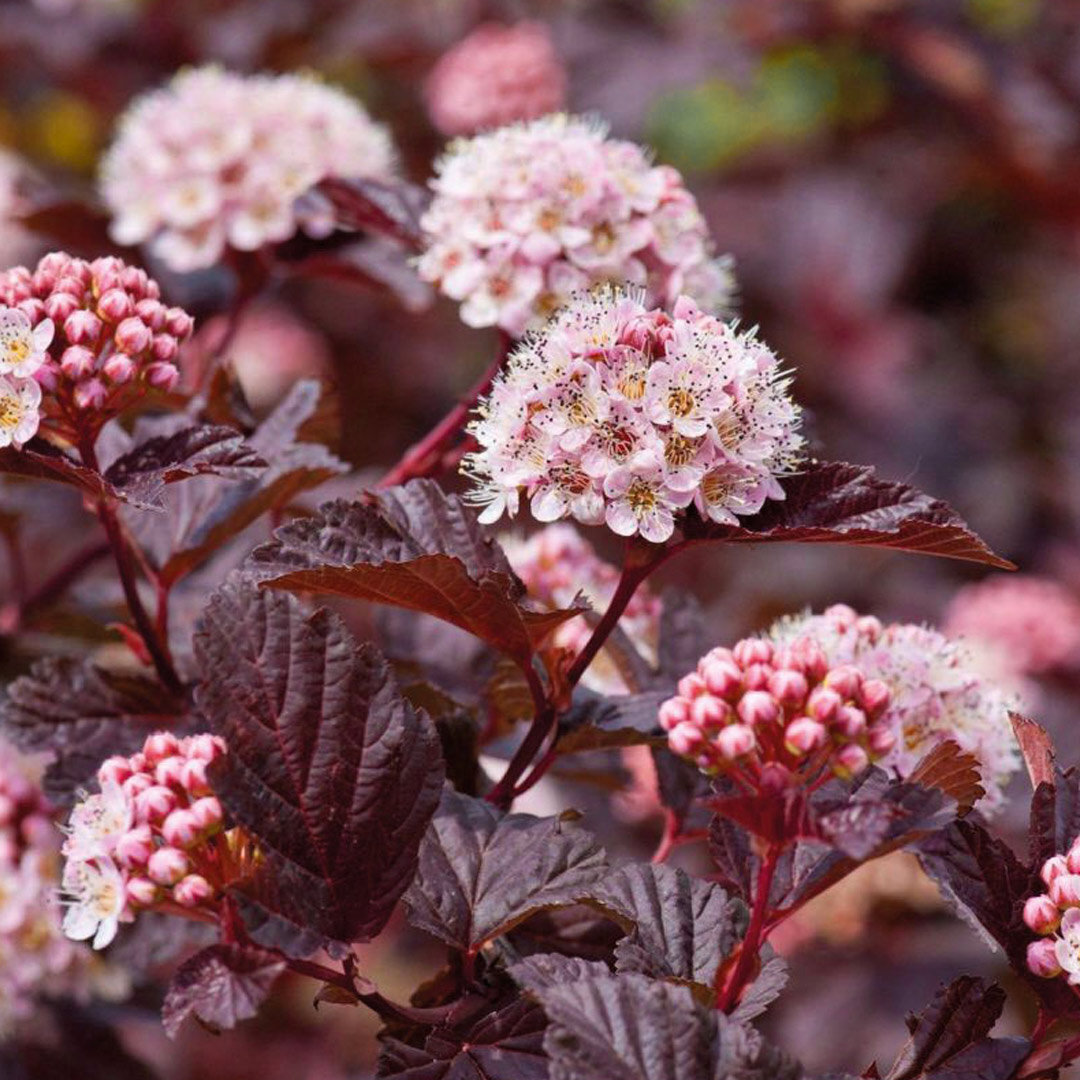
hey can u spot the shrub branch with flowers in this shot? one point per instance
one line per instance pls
(251, 769)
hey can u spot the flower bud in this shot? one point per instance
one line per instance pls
(160, 745)
(803, 735)
(722, 678)
(152, 312)
(120, 368)
(142, 892)
(135, 847)
(133, 336)
(163, 376)
(192, 891)
(756, 676)
(115, 305)
(180, 829)
(204, 747)
(709, 712)
(168, 865)
(207, 812)
(59, 306)
(1065, 890)
(90, 394)
(673, 711)
(114, 770)
(685, 738)
(193, 778)
(691, 685)
(735, 741)
(154, 804)
(164, 347)
(1042, 959)
(850, 721)
(880, 741)
(789, 688)
(850, 760)
(845, 680)
(1041, 914)
(179, 323)
(1072, 859)
(77, 361)
(168, 771)
(823, 704)
(1053, 868)
(874, 697)
(753, 651)
(82, 327)
(136, 784)
(758, 707)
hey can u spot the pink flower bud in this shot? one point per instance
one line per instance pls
(115, 305)
(71, 285)
(850, 722)
(59, 306)
(45, 278)
(7, 809)
(1053, 868)
(845, 680)
(710, 712)
(673, 711)
(1065, 890)
(33, 309)
(789, 688)
(1042, 959)
(758, 707)
(135, 847)
(133, 278)
(753, 651)
(691, 685)
(168, 771)
(193, 778)
(136, 784)
(880, 741)
(164, 347)
(120, 368)
(1072, 859)
(114, 770)
(823, 704)
(160, 745)
(142, 892)
(851, 760)
(868, 627)
(163, 376)
(775, 779)
(90, 394)
(192, 891)
(82, 327)
(735, 741)
(168, 865)
(152, 312)
(179, 323)
(154, 804)
(1041, 914)
(207, 812)
(874, 697)
(722, 678)
(756, 676)
(803, 735)
(133, 336)
(684, 739)
(77, 361)
(204, 747)
(180, 829)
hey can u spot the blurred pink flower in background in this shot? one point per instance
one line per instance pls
(1032, 623)
(496, 75)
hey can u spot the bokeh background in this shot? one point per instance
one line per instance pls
(899, 183)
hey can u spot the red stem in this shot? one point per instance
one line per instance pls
(730, 989)
(424, 457)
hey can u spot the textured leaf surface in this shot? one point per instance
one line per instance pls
(390, 209)
(413, 547)
(837, 503)
(38, 460)
(482, 872)
(221, 985)
(328, 766)
(81, 714)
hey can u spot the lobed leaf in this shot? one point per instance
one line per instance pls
(412, 547)
(390, 209)
(837, 503)
(333, 772)
(39, 460)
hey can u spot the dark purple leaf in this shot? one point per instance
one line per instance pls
(328, 767)
(81, 714)
(39, 460)
(413, 547)
(836, 503)
(595, 722)
(507, 1044)
(482, 872)
(373, 263)
(141, 474)
(389, 209)
(1036, 749)
(950, 1038)
(1055, 815)
(545, 970)
(765, 989)
(574, 931)
(221, 985)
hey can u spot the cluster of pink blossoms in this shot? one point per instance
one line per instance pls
(557, 565)
(1031, 624)
(36, 959)
(94, 336)
(496, 75)
(216, 160)
(526, 216)
(937, 690)
(146, 839)
(766, 712)
(617, 414)
(1055, 915)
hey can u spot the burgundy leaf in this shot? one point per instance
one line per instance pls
(950, 1038)
(574, 931)
(1036, 749)
(765, 989)
(413, 547)
(221, 985)
(39, 460)
(374, 263)
(390, 209)
(837, 503)
(142, 473)
(1055, 815)
(952, 771)
(545, 970)
(80, 714)
(482, 872)
(328, 767)
(507, 1044)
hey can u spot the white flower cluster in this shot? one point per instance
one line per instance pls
(614, 413)
(216, 160)
(939, 691)
(23, 350)
(526, 216)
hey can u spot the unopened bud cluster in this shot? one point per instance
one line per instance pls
(147, 838)
(762, 710)
(1055, 916)
(95, 336)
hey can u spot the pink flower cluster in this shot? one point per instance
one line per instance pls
(770, 714)
(617, 414)
(937, 690)
(35, 957)
(216, 160)
(1055, 915)
(147, 838)
(95, 336)
(557, 565)
(1032, 624)
(496, 75)
(526, 216)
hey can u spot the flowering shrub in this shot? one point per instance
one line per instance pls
(513, 242)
